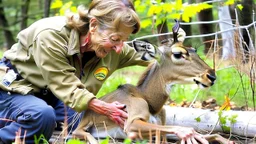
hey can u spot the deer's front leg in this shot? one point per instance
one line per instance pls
(186, 134)
(219, 138)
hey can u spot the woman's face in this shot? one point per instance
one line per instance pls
(105, 41)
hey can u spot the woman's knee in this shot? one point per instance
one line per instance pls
(45, 122)
(47, 116)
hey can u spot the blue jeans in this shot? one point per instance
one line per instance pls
(34, 116)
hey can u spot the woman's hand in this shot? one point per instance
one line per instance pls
(114, 111)
(190, 136)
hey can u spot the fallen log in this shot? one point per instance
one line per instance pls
(242, 123)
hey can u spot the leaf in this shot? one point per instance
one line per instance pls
(137, 3)
(198, 119)
(65, 7)
(127, 141)
(185, 18)
(178, 5)
(240, 7)
(226, 128)
(105, 141)
(168, 7)
(226, 105)
(152, 10)
(73, 9)
(56, 4)
(223, 120)
(146, 23)
(232, 119)
(230, 2)
(75, 141)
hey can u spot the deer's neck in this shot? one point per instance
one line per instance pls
(152, 84)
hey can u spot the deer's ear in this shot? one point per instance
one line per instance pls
(178, 33)
(147, 50)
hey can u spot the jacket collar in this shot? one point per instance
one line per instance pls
(74, 43)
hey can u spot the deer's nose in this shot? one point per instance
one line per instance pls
(211, 75)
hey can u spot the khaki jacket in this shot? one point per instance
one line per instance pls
(47, 55)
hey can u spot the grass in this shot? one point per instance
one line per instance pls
(1, 53)
(126, 75)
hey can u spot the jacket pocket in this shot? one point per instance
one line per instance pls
(19, 86)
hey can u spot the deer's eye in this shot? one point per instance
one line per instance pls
(177, 55)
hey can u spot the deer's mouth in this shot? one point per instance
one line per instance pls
(202, 84)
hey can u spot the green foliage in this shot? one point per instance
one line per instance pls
(105, 141)
(126, 75)
(75, 141)
(225, 119)
(198, 119)
(63, 8)
(127, 141)
(60, 7)
(162, 11)
(232, 119)
(40, 140)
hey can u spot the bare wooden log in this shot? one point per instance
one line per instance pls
(244, 123)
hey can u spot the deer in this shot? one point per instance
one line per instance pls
(173, 64)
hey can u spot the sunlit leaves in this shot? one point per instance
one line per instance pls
(178, 5)
(56, 4)
(240, 7)
(63, 8)
(230, 2)
(168, 10)
(161, 11)
(67, 7)
(154, 9)
(146, 23)
(192, 9)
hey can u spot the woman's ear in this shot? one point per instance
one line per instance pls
(93, 25)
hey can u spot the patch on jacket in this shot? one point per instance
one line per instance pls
(101, 73)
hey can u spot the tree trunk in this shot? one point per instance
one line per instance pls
(24, 14)
(228, 50)
(206, 15)
(4, 24)
(162, 28)
(243, 124)
(47, 6)
(246, 18)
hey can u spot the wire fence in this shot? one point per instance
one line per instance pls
(202, 35)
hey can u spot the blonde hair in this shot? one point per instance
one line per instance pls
(109, 14)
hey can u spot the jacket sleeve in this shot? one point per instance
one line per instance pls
(130, 57)
(50, 54)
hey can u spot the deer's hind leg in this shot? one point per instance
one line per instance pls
(85, 136)
(139, 111)
(80, 132)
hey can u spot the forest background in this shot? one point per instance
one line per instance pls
(203, 22)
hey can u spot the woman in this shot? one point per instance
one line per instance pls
(65, 60)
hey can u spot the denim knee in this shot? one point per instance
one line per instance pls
(47, 121)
